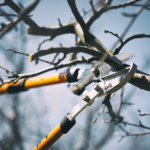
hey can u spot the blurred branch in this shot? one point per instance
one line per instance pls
(27, 55)
(17, 9)
(131, 134)
(142, 113)
(126, 103)
(114, 116)
(106, 7)
(101, 110)
(92, 6)
(137, 12)
(131, 124)
(22, 14)
(120, 102)
(13, 15)
(98, 4)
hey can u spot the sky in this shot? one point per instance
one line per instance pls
(59, 98)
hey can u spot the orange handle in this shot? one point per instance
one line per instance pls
(62, 128)
(45, 80)
(34, 82)
(50, 139)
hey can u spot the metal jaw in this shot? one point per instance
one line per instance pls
(108, 84)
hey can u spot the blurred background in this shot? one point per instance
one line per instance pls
(27, 117)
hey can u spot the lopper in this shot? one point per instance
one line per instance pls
(104, 83)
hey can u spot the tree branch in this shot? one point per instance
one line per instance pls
(78, 17)
(142, 113)
(107, 7)
(131, 134)
(135, 36)
(22, 15)
(137, 12)
(78, 61)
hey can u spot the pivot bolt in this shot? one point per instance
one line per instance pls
(94, 70)
(86, 97)
(96, 87)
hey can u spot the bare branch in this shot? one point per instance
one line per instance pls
(116, 118)
(131, 134)
(78, 17)
(137, 12)
(142, 113)
(115, 34)
(52, 31)
(126, 103)
(92, 6)
(59, 60)
(60, 23)
(22, 14)
(78, 61)
(107, 7)
(13, 15)
(7, 70)
(27, 55)
(120, 102)
(101, 110)
(135, 36)
(27, 20)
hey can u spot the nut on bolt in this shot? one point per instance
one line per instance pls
(96, 87)
(94, 70)
(85, 97)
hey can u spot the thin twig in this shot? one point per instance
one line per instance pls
(137, 11)
(27, 55)
(115, 34)
(78, 61)
(142, 113)
(92, 6)
(78, 17)
(132, 134)
(7, 70)
(13, 15)
(39, 47)
(60, 24)
(120, 102)
(101, 110)
(116, 118)
(135, 36)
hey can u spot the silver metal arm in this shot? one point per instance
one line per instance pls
(108, 84)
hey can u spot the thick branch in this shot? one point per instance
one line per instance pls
(112, 61)
(52, 31)
(78, 17)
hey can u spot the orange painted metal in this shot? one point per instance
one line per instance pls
(3, 88)
(37, 81)
(50, 139)
(45, 80)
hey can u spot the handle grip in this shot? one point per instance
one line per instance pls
(25, 84)
(55, 134)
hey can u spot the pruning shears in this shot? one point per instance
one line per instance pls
(72, 75)
(105, 83)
